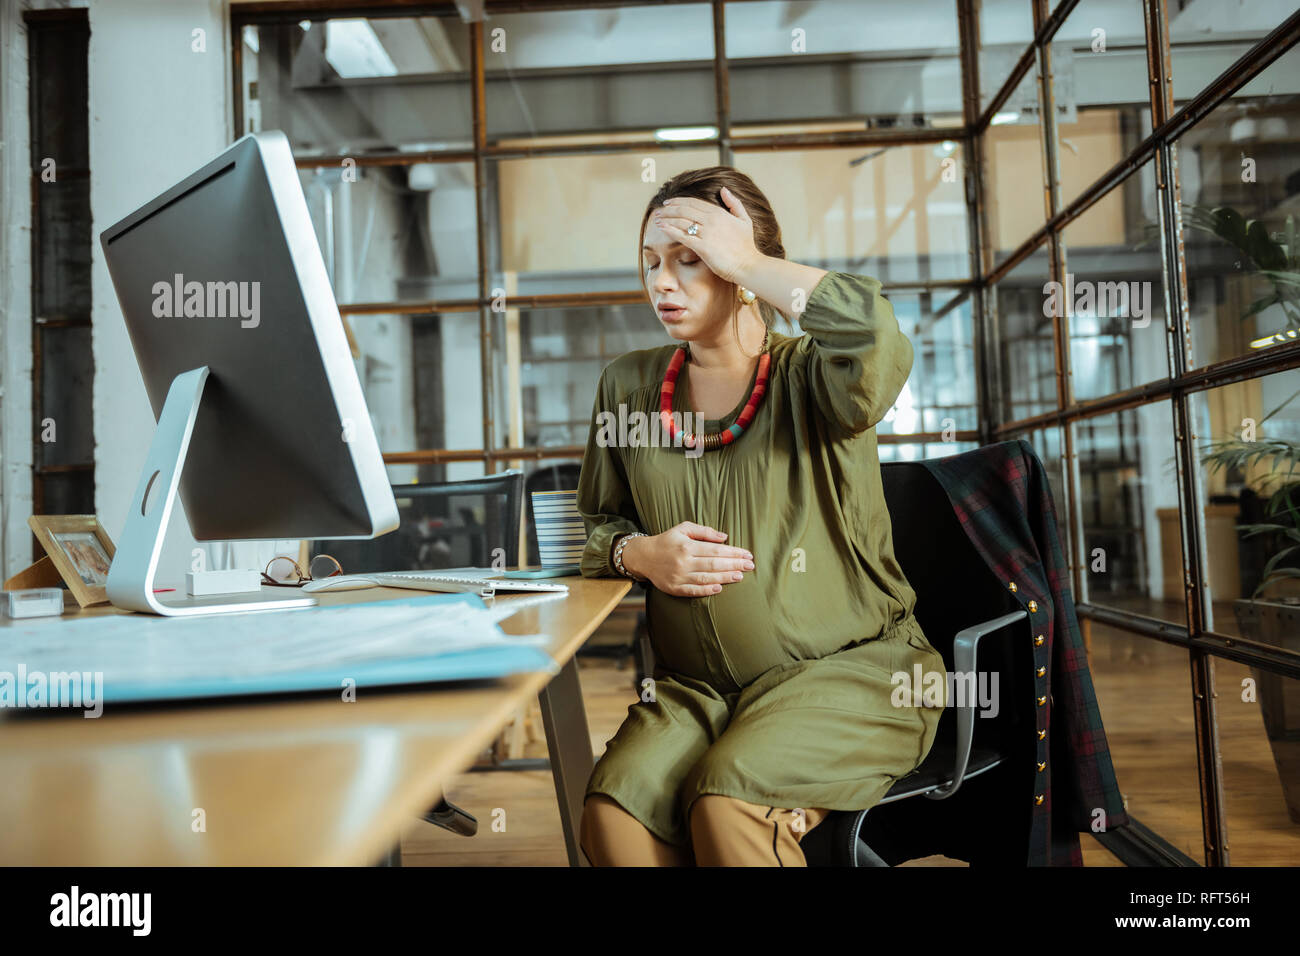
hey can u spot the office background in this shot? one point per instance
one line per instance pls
(477, 185)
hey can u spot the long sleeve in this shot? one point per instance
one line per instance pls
(856, 356)
(604, 496)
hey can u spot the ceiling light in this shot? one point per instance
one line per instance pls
(678, 134)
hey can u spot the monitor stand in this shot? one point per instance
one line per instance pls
(131, 573)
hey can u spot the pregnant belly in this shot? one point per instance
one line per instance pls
(746, 628)
(728, 635)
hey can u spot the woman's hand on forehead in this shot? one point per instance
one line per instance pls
(725, 241)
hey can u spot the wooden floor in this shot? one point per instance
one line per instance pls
(1144, 690)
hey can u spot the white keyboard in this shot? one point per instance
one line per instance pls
(462, 579)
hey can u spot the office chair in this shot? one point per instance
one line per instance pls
(440, 528)
(959, 603)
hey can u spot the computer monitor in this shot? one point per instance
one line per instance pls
(262, 425)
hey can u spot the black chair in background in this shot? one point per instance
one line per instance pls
(450, 524)
(958, 603)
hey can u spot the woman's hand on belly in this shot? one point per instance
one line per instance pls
(687, 560)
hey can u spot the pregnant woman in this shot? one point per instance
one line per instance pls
(777, 611)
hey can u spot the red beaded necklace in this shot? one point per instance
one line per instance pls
(731, 432)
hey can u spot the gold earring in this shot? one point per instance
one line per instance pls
(744, 295)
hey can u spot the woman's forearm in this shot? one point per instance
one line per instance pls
(780, 282)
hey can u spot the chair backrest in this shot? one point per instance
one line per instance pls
(954, 586)
(561, 477)
(448, 524)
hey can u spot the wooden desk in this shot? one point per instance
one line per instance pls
(309, 781)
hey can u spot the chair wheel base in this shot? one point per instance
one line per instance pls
(451, 817)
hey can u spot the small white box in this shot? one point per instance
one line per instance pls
(34, 602)
(207, 583)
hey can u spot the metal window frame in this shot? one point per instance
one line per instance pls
(1158, 148)
(1184, 380)
(257, 13)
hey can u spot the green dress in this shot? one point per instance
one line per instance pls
(778, 690)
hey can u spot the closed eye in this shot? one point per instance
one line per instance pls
(685, 262)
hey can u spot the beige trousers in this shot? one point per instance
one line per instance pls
(724, 832)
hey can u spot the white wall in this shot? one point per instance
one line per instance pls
(159, 109)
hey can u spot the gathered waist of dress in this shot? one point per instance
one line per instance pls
(736, 639)
(908, 626)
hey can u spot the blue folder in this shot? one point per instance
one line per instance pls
(471, 665)
(477, 664)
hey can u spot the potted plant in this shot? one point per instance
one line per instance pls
(1269, 616)
(1273, 257)
(1271, 613)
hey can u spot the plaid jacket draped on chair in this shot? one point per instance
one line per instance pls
(1003, 499)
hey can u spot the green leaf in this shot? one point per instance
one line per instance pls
(1282, 278)
(1277, 575)
(1231, 226)
(1259, 305)
(1274, 561)
(1253, 529)
(1267, 253)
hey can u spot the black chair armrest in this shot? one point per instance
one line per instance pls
(964, 648)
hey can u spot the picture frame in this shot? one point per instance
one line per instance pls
(80, 550)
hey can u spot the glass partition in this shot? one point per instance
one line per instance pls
(1022, 305)
(1241, 202)
(357, 85)
(1114, 296)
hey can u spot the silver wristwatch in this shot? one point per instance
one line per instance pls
(618, 553)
